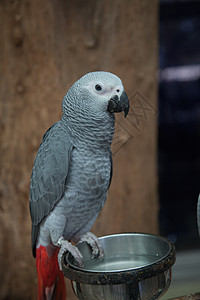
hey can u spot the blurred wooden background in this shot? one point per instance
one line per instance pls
(46, 46)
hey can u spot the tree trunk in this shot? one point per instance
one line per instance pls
(45, 47)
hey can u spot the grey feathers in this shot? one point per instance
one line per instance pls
(73, 168)
(49, 174)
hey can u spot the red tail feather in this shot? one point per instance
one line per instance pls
(51, 284)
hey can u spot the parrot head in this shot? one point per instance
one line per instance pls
(96, 94)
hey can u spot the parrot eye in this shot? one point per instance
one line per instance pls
(98, 87)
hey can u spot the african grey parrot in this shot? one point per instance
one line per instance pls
(71, 176)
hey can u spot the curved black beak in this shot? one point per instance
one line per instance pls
(116, 104)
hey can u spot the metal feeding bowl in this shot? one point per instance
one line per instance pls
(136, 266)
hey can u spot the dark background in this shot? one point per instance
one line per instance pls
(179, 122)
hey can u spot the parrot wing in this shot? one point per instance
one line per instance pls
(49, 174)
(111, 168)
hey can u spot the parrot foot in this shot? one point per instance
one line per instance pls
(94, 243)
(66, 246)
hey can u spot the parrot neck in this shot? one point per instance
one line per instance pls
(94, 133)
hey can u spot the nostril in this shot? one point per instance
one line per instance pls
(115, 98)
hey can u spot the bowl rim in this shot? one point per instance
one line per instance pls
(68, 256)
(121, 276)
